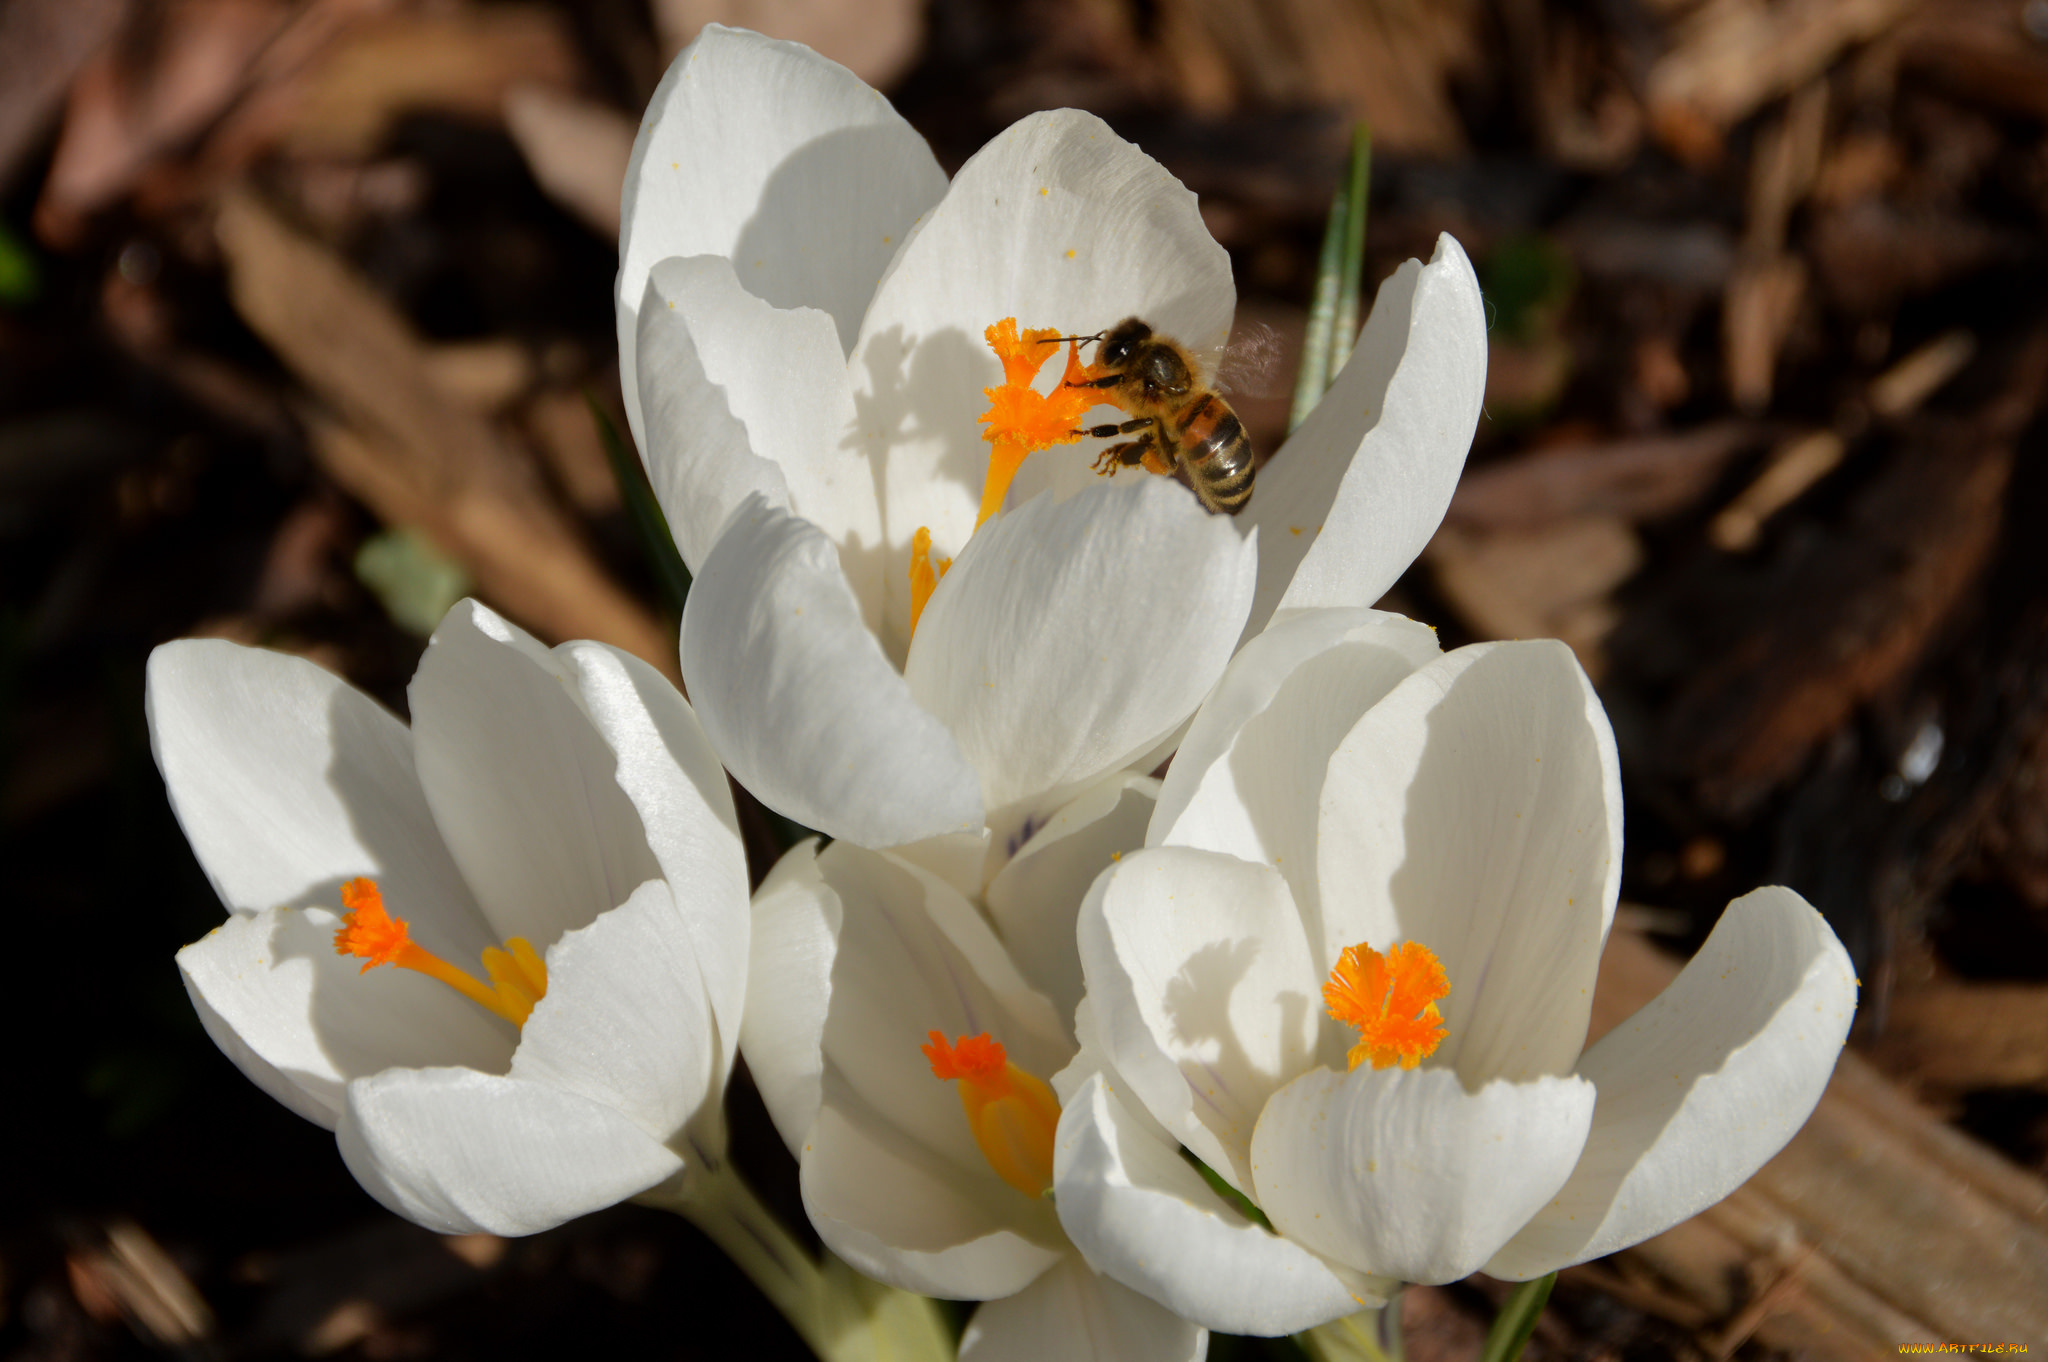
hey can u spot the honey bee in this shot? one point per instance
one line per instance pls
(1186, 426)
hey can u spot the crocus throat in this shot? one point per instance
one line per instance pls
(519, 978)
(1391, 999)
(1013, 1114)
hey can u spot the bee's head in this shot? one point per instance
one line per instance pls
(1121, 341)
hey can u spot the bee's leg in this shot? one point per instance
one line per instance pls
(1128, 454)
(1109, 428)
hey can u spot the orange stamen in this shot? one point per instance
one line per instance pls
(1391, 999)
(519, 978)
(925, 572)
(1012, 1114)
(1019, 418)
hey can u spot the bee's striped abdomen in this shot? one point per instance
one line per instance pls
(1217, 454)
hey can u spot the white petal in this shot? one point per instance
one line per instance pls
(1703, 1085)
(903, 1217)
(795, 938)
(914, 957)
(961, 859)
(784, 162)
(1074, 1315)
(1404, 1173)
(1253, 678)
(673, 778)
(1262, 801)
(625, 1022)
(892, 1176)
(1071, 636)
(1144, 1216)
(1356, 492)
(288, 781)
(524, 789)
(700, 454)
(302, 1021)
(1056, 222)
(741, 397)
(1035, 899)
(796, 695)
(1203, 993)
(460, 1152)
(1477, 810)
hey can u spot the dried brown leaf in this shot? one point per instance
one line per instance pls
(576, 148)
(399, 443)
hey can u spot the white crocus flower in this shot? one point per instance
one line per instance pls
(904, 1059)
(547, 804)
(1455, 815)
(802, 300)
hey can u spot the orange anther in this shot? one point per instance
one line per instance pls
(925, 572)
(1391, 999)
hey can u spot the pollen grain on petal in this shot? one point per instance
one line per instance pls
(1391, 999)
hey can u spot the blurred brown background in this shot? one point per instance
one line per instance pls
(299, 304)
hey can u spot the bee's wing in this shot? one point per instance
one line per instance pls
(1250, 361)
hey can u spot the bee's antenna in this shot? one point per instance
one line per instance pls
(1058, 340)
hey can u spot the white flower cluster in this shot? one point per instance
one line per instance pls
(1031, 1010)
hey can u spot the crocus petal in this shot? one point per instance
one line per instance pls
(625, 1022)
(795, 937)
(674, 779)
(795, 694)
(1072, 1314)
(1202, 991)
(1477, 810)
(1261, 801)
(1249, 685)
(896, 1213)
(768, 154)
(523, 788)
(741, 397)
(1056, 222)
(892, 1177)
(1144, 1216)
(912, 957)
(1405, 1173)
(1045, 669)
(461, 1152)
(288, 782)
(961, 859)
(1703, 1085)
(1354, 495)
(1034, 899)
(698, 449)
(302, 1021)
